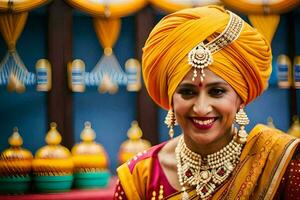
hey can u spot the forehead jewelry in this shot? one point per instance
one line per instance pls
(201, 55)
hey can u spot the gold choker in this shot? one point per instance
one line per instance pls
(207, 173)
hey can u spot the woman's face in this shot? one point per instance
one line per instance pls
(205, 111)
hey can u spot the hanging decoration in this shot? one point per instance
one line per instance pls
(266, 24)
(263, 15)
(133, 69)
(21, 6)
(108, 73)
(262, 6)
(76, 74)
(13, 72)
(108, 69)
(108, 8)
(297, 72)
(175, 5)
(284, 71)
(44, 74)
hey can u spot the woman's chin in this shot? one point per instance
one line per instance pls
(203, 138)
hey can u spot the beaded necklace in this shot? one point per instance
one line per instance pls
(207, 173)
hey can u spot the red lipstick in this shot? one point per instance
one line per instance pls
(203, 123)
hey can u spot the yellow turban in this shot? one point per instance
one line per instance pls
(245, 64)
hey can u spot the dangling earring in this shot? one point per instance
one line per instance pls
(170, 121)
(241, 119)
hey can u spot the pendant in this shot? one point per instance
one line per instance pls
(185, 196)
(205, 190)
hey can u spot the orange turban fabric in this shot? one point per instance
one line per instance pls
(245, 63)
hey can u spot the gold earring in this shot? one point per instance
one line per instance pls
(242, 120)
(170, 121)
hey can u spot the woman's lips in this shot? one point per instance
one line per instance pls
(204, 123)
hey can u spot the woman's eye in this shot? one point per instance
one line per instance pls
(186, 93)
(217, 92)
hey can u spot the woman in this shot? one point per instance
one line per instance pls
(205, 65)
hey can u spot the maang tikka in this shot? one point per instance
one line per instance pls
(201, 55)
(242, 120)
(170, 121)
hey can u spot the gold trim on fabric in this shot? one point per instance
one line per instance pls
(274, 182)
(125, 176)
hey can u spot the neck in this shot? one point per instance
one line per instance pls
(206, 149)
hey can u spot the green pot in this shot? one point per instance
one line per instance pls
(14, 184)
(88, 180)
(53, 183)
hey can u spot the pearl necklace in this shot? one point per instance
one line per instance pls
(205, 173)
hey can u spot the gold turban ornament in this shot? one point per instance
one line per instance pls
(244, 62)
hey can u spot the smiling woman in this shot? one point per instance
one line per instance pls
(205, 112)
(205, 65)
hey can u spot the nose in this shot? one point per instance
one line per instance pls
(202, 105)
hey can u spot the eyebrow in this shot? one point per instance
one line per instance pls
(217, 83)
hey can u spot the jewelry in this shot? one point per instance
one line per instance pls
(241, 119)
(170, 121)
(201, 55)
(206, 173)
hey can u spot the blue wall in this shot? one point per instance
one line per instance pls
(297, 50)
(110, 115)
(27, 111)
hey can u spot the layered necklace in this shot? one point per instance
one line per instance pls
(207, 173)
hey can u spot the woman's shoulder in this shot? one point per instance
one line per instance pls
(267, 131)
(168, 151)
(264, 128)
(264, 137)
(144, 158)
